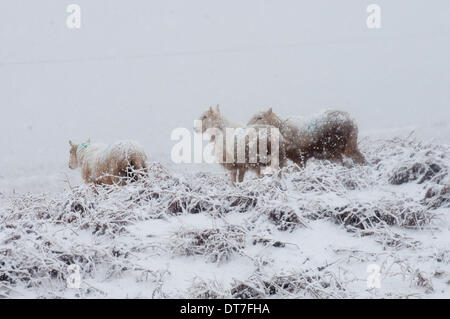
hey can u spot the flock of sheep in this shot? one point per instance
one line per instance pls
(330, 135)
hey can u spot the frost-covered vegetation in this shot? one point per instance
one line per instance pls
(311, 233)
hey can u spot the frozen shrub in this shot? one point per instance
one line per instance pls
(242, 203)
(366, 216)
(307, 283)
(201, 289)
(267, 242)
(284, 218)
(418, 171)
(437, 196)
(216, 244)
(245, 291)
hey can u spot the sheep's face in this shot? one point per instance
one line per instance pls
(73, 160)
(209, 119)
(265, 118)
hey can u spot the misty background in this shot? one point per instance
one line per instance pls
(139, 69)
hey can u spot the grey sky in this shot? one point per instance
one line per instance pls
(137, 69)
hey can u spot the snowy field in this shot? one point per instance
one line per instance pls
(313, 233)
(139, 69)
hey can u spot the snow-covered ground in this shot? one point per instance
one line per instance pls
(313, 233)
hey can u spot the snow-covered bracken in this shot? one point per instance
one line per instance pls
(314, 233)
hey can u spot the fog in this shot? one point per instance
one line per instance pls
(138, 69)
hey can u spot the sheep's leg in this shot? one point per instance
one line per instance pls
(86, 175)
(358, 157)
(233, 176)
(283, 163)
(298, 158)
(352, 151)
(280, 175)
(242, 172)
(259, 172)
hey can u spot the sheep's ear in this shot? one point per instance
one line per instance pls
(217, 108)
(70, 143)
